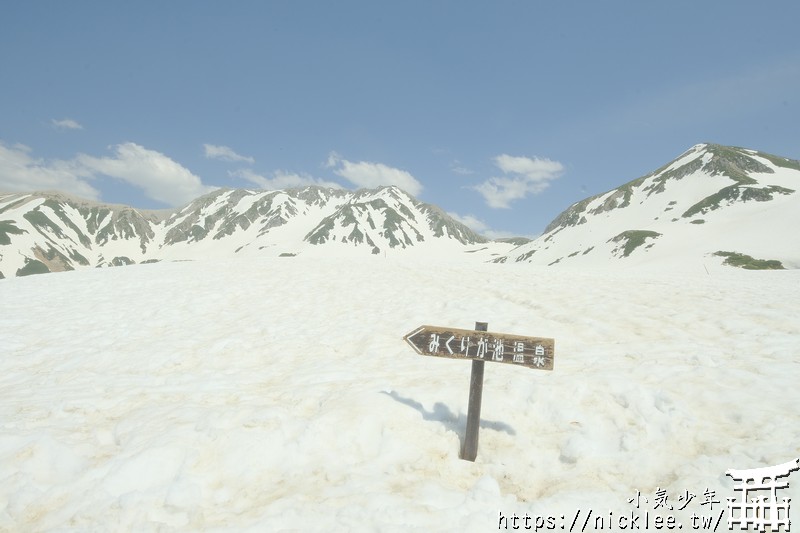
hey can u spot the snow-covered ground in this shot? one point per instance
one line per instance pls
(277, 394)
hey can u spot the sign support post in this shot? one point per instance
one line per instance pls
(479, 346)
(470, 450)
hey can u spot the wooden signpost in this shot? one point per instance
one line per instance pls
(479, 345)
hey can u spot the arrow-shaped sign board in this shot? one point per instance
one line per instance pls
(532, 352)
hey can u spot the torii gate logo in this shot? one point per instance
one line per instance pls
(760, 511)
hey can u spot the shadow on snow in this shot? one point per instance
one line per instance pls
(451, 421)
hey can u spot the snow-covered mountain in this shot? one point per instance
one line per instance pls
(713, 204)
(42, 232)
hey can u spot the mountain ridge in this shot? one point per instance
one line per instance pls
(710, 199)
(711, 205)
(53, 231)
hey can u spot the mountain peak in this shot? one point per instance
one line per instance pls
(710, 198)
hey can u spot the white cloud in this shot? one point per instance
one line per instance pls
(225, 154)
(281, 180)
(472, 222)
(458, 168)
(523, 176)
(533, 168)
(371, 175)
(66, 124)
(160, 177)
(21, 172)
(479, 226)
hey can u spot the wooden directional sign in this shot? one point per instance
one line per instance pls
(531, 352)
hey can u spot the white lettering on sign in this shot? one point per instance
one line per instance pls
(447, 344)
(434, 345)
(482, 343)
(494, 348)
(519, 348)
(498, 350)
(532, 352)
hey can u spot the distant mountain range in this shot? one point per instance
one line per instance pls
(41, 232)
(712, 205)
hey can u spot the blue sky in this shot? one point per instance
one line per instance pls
(502, 113)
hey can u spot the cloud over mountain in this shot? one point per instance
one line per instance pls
(20, 171)
(281, 179)
(161, 178)
(224, 153)
(523, 176)
(370, 175)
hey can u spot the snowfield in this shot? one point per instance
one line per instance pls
(270, 394)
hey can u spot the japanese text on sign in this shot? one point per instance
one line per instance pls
(532, 352)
